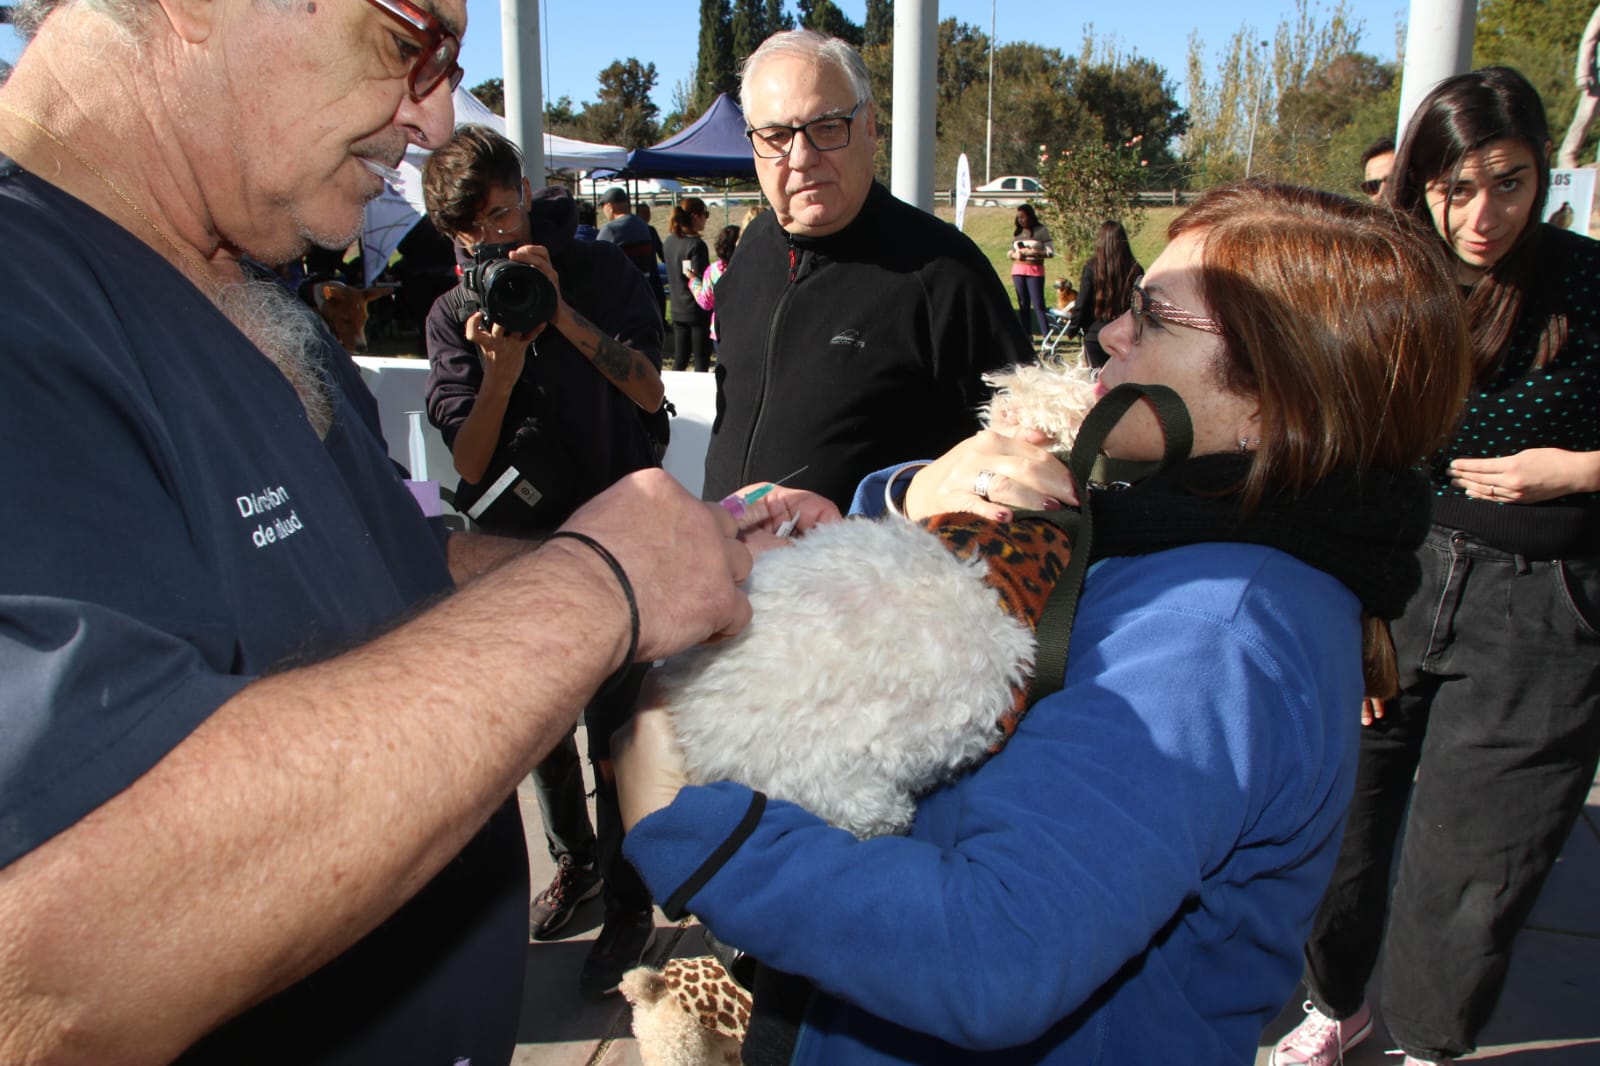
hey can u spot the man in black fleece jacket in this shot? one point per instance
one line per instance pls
(854, 329)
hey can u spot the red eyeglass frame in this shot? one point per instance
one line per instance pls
(440, 48)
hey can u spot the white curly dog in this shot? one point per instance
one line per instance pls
(878, 663)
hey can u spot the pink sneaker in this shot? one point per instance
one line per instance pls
(1321, 1041)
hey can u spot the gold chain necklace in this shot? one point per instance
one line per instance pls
(187, 255)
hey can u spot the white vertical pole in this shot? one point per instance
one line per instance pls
(519, 54)
(1438, 45)
(988, 126)
(916, 42)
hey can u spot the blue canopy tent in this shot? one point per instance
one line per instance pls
(714, 146)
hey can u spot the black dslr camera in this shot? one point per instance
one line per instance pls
(515, 296)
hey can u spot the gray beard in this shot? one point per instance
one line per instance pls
(282, 328)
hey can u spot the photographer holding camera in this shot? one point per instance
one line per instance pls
(544, 378)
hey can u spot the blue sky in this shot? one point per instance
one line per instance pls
(581, 38)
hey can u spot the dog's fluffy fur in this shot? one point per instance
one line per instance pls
(1050, 397)
(877, 664)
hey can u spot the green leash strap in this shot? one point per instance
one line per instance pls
(1054, 631)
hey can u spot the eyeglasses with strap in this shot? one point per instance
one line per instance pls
(433, 50)
(826, 134)
(1143, 306)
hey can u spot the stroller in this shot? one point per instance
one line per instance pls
(1057, 333)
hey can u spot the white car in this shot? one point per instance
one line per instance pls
(1011, 189)
(642, 189)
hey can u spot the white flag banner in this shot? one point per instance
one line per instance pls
(964, 189)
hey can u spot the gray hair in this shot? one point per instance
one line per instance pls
(129, 15)
(817, 47)
(285, 330)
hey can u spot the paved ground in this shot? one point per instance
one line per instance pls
(1549, 1016)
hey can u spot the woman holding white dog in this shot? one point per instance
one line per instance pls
(1130, 878)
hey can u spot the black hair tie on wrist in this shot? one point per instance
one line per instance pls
(627, 591)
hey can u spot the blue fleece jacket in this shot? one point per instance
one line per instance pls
(1129, 881)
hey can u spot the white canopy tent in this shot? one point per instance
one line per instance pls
(390, 217)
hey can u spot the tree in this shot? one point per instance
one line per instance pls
(1042, 97)
(777, 18)
(559, 117)
(825, 17)
(714, 70)
(1085, 185)
(749, 28)
(1325, 123)
(492, 94)
(1539, 38)
(878, 27)
(624, 113)
(1233, 129)
(1133, 99)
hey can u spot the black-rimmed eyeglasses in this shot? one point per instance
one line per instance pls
(1373, 186)
(1144, 306)
(436, 48)
(827, 134)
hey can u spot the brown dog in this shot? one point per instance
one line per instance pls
(345, 308)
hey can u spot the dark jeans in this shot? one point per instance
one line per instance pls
(1030, 303)
(1499, 721)
(558, 783)
(691, 338)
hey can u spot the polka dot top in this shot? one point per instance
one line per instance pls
(1554, 406)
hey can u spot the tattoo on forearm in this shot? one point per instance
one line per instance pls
(610, 356)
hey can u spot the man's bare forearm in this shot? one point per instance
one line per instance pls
(289, 824)
(471, 555)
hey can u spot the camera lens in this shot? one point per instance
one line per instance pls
(516, 296)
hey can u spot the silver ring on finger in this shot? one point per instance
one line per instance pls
(981, 483)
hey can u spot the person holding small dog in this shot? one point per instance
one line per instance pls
(1030, 247)
(1130, 877)
(559, 409)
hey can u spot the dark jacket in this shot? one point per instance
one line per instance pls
(1083, 319)
(586, 433)
(854, 351)
(686, 311)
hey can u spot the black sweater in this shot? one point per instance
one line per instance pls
(854, 351)
(1522, 407)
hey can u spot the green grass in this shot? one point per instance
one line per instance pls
(990, 228)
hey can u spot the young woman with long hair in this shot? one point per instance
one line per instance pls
(1495, 732)
(687, 258)
(1105, 289)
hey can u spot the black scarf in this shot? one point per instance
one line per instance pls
(1361, 527)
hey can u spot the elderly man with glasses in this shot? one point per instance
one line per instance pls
(257, 753)
(854, 329)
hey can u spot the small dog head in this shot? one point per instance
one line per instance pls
(345, 309)
(1050, 397)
